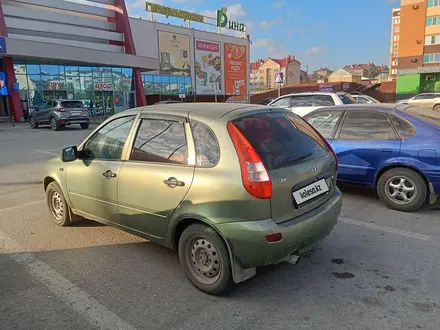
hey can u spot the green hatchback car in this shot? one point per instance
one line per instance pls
(231, 187)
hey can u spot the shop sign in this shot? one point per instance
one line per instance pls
(3, 87)
(168, 11)
(103, 86)
(223, 21)
(3, 49)
(425, 69)
(326, 88)
(54, 85)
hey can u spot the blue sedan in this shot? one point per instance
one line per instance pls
(393, 148)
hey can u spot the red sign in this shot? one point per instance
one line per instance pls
(54, 85)
(208, 46)
(103, 86)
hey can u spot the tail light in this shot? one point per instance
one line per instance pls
(327, 145)
(254, 175)
(61, 109)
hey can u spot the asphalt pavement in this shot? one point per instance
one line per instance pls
(378, 269)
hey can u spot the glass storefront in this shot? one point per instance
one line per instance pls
(103, 90)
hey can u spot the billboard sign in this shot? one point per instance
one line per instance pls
(208, 67)
(235, 69)
(174, 54)
(168, 11)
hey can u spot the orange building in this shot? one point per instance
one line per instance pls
(415, 47)
(395, 39)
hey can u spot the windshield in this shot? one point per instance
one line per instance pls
(346, 99)
(425, 114)
(281, 138)
(72, 104)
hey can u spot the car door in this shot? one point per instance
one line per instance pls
(302, 104)
(417, 100)
(157, 175)
(41, 110)
(92, 180)
(325, 122)
(428, 101)
(365, 142)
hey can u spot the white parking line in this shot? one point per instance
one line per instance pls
(386, 229)
(96, 314)
(10, 208)
(45, 152)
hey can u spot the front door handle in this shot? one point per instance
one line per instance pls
(109, 174)
(173, 183)
(388, 151)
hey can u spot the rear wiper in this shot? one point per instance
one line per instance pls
(296, 159)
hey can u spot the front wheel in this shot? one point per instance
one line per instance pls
(54, 124)
(402, 189)
(205, 259)
(33, 123)
(437, 108)
(58, 208)
(84, 125)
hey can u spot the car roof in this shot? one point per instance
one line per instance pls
(312, 93)
(218, 110)
(381, 107)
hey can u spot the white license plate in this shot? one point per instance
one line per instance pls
(75, 113)
(311, 191)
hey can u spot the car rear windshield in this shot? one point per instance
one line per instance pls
(346, 100)
(281, 139)
(72, 104)
(425, 114)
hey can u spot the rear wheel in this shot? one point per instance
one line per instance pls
(205, 259)
(54, 124)
(59, 210)
(33, 123)
(402, 189)
(437, 107)
(84, 125)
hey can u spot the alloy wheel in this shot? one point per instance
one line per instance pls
(401, 190)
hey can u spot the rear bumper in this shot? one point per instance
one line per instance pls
(69, 121)
(249, 246)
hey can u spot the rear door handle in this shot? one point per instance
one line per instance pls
(389, 151)
(172, 182)
(109, 174)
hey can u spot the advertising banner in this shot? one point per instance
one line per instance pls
(174, 54)
(235, 69)
(208, 67)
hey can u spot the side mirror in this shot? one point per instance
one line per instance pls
(69, 154)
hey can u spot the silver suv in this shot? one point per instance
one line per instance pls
(59, 113)
(304, 103)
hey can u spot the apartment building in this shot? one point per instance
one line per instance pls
(418, 52)
(395, 41)
(262, 72)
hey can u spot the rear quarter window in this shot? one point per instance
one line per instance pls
(206, 143)
(405, 129)
(281, 138)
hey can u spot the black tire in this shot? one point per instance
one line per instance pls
(54, 124)
(58, 208)
(393, 178)
(436, 107)
(85, 125)
(33, 122)
(215, 253)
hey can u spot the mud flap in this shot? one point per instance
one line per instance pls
(239, 273)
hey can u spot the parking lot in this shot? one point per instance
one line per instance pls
(378, 269)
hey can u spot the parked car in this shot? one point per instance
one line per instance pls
(167, 102)
(231, 187)
(303, 103)
(393, 148)
(426, 100)
(59, 113)
(365, 99)
(266, 101)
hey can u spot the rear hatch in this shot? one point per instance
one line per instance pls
(301, 166)
(74, 108)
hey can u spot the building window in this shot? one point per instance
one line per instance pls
(432, 40)
(396, 46)
(431, 58)
(397, 21)
(395, 63)
(396, 29)
(430, 78)
(433, 3)
(433, 20)
(393, 71)
(395, 55)
(396, 38)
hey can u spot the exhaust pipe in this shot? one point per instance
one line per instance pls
(293, 259)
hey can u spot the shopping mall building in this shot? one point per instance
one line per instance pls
(93, 52)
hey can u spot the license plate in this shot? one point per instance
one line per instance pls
(311, 191)
(75, 113)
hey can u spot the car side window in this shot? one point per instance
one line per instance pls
(109, 141)
(302, 101)
(406, 130)
(361, 100)
(206, 143)
(419, 97)
(429, 96)
(366, 125)
(323, 100)
(283, 102)
(324, 121)
(160, 141)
